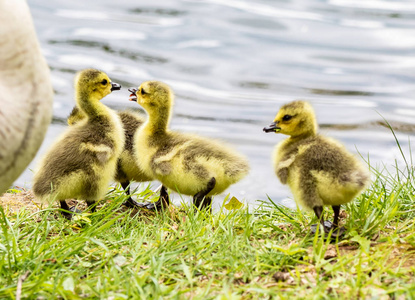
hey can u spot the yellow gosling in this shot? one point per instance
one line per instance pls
(83, 160)
(185, 163)
(318, 170)
(127, 168)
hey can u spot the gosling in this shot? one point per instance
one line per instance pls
(83, 160)
(127, 168)
(185, 163)
(318, 170)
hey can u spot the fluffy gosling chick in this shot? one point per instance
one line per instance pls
(185, 163)
(127, 168)
(83, 160)
(318, 170)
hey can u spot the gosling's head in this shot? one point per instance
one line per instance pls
(295, 119)
(94, 84)
(152, 96)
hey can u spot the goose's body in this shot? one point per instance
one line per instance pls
(185, 163)
(82, 162)
(26, 93)
(127, 168)
(318, 170)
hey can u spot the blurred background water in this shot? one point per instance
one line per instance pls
(232, 63)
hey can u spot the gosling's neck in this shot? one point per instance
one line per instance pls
(307, 127)
(312, 132)
(158, 120)
(90, 105)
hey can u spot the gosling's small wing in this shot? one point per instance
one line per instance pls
(328, 155)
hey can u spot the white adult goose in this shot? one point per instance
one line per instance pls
(26, 92)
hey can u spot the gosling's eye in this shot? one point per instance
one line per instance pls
(143, 92)
(104, 82)
(287, 118)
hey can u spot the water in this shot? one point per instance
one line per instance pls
(232, 63)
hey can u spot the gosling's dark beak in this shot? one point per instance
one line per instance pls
(115, 86)
(272, 128)
(133, 96)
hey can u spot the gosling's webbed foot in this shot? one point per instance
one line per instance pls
(72, 210)
(147, 205)
(154, 205)
(161, 203)
(327, 227)
(336, 232)
(75, 210)
(67, 211)
(130, 203)
(66, 215)
(135, 204)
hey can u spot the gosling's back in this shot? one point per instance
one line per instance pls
(320, 164)
(186, 162)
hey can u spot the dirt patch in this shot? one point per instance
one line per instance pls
(402, 255)
(14, 202)
(21, 198)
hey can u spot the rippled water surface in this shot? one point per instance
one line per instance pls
(232, 63)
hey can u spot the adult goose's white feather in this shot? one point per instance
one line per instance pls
(26, 92)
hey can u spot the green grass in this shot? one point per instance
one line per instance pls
(179, 254)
